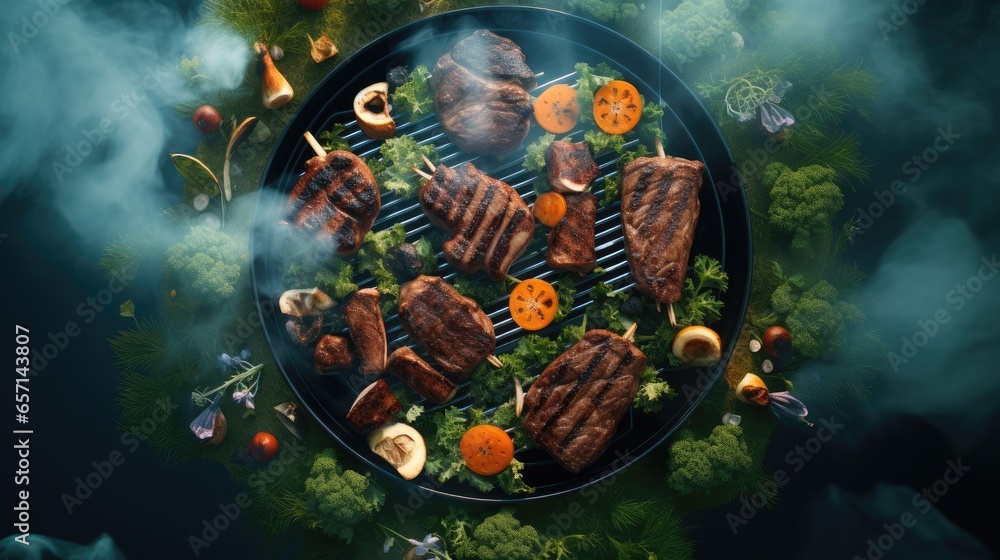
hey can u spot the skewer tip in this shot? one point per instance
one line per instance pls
(671, 315)
(659, 147)
(314, 144)
(423, 174)
(428, 163)
(630, 333)
(492, 359)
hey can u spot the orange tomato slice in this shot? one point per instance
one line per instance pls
(550, 208)
(533, 304)
(557, 109)
(487, 449)
(617, 107)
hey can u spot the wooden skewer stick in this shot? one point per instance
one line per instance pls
(423, 174)
(494, 361)
(657, 307)
(630, 333)
(659, 148)
(671, 316)
(670, 310)
(315, 145)
(429, 164)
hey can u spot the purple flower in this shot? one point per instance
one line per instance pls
(430, 543)
(244, 397)
(204, 425)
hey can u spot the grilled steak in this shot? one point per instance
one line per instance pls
(479, 94)
(332, 352)
(660, 210)
(336, 201)
(491, 223)
(456, 333)
(405, 364)
(571, 167)
(577, 402)
(364, 321)
(571, 241)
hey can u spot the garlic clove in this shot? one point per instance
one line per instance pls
(752, 390)
(371, 107)
(321, 49)
(697, 346)
(402, 447)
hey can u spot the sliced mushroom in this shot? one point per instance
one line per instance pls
(697, 346)
(752, 390)
(402, 446)
(322, 48)
(300, 303)
(371, 106)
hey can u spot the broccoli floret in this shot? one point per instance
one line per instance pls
(208, 264)
(819, 322)
(699, 27)
(338, 499)
(783, 299)
(803, 203)
(651, 389)
(702, 465)
(415, 96)
(534, 159)
(399, 156)
(500, 537)
(605, 11)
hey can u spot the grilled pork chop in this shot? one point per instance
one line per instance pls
(479, 94)
(571, 241)
(364, 321)
(491, 223)
(577, 402)
(456, 333)
(571, 167)
(660, 211)
(336, 201)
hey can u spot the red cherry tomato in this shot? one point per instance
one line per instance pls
(313, 4)
(263, 447)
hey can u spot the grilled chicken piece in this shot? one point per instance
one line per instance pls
(571, 167)
(456, 333)
(571, 241)
(364, 321)
(577, 402)
(491, 223)
(332, 352)
(336, 201)
(660, 211)
(405, 364)
(375, 405)
(479, 94)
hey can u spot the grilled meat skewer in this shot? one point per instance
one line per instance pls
(577, 402)
(491, 223)
(452, 327)
(336, 201)
(660, 210)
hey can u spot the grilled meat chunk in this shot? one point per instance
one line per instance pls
(571, 167)
(571, 241)
(332, 352)
(336, 201)
(577, 402)
(405, 364)
(479, 94)
(491, 223)
(364, 321)
(660, 211)
(375, 405)
(456, 333)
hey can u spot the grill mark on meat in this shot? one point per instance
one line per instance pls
(571, 243)
(641, 186)
(502, 257)
(602, 350)
(597, 400)
(474, 224)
